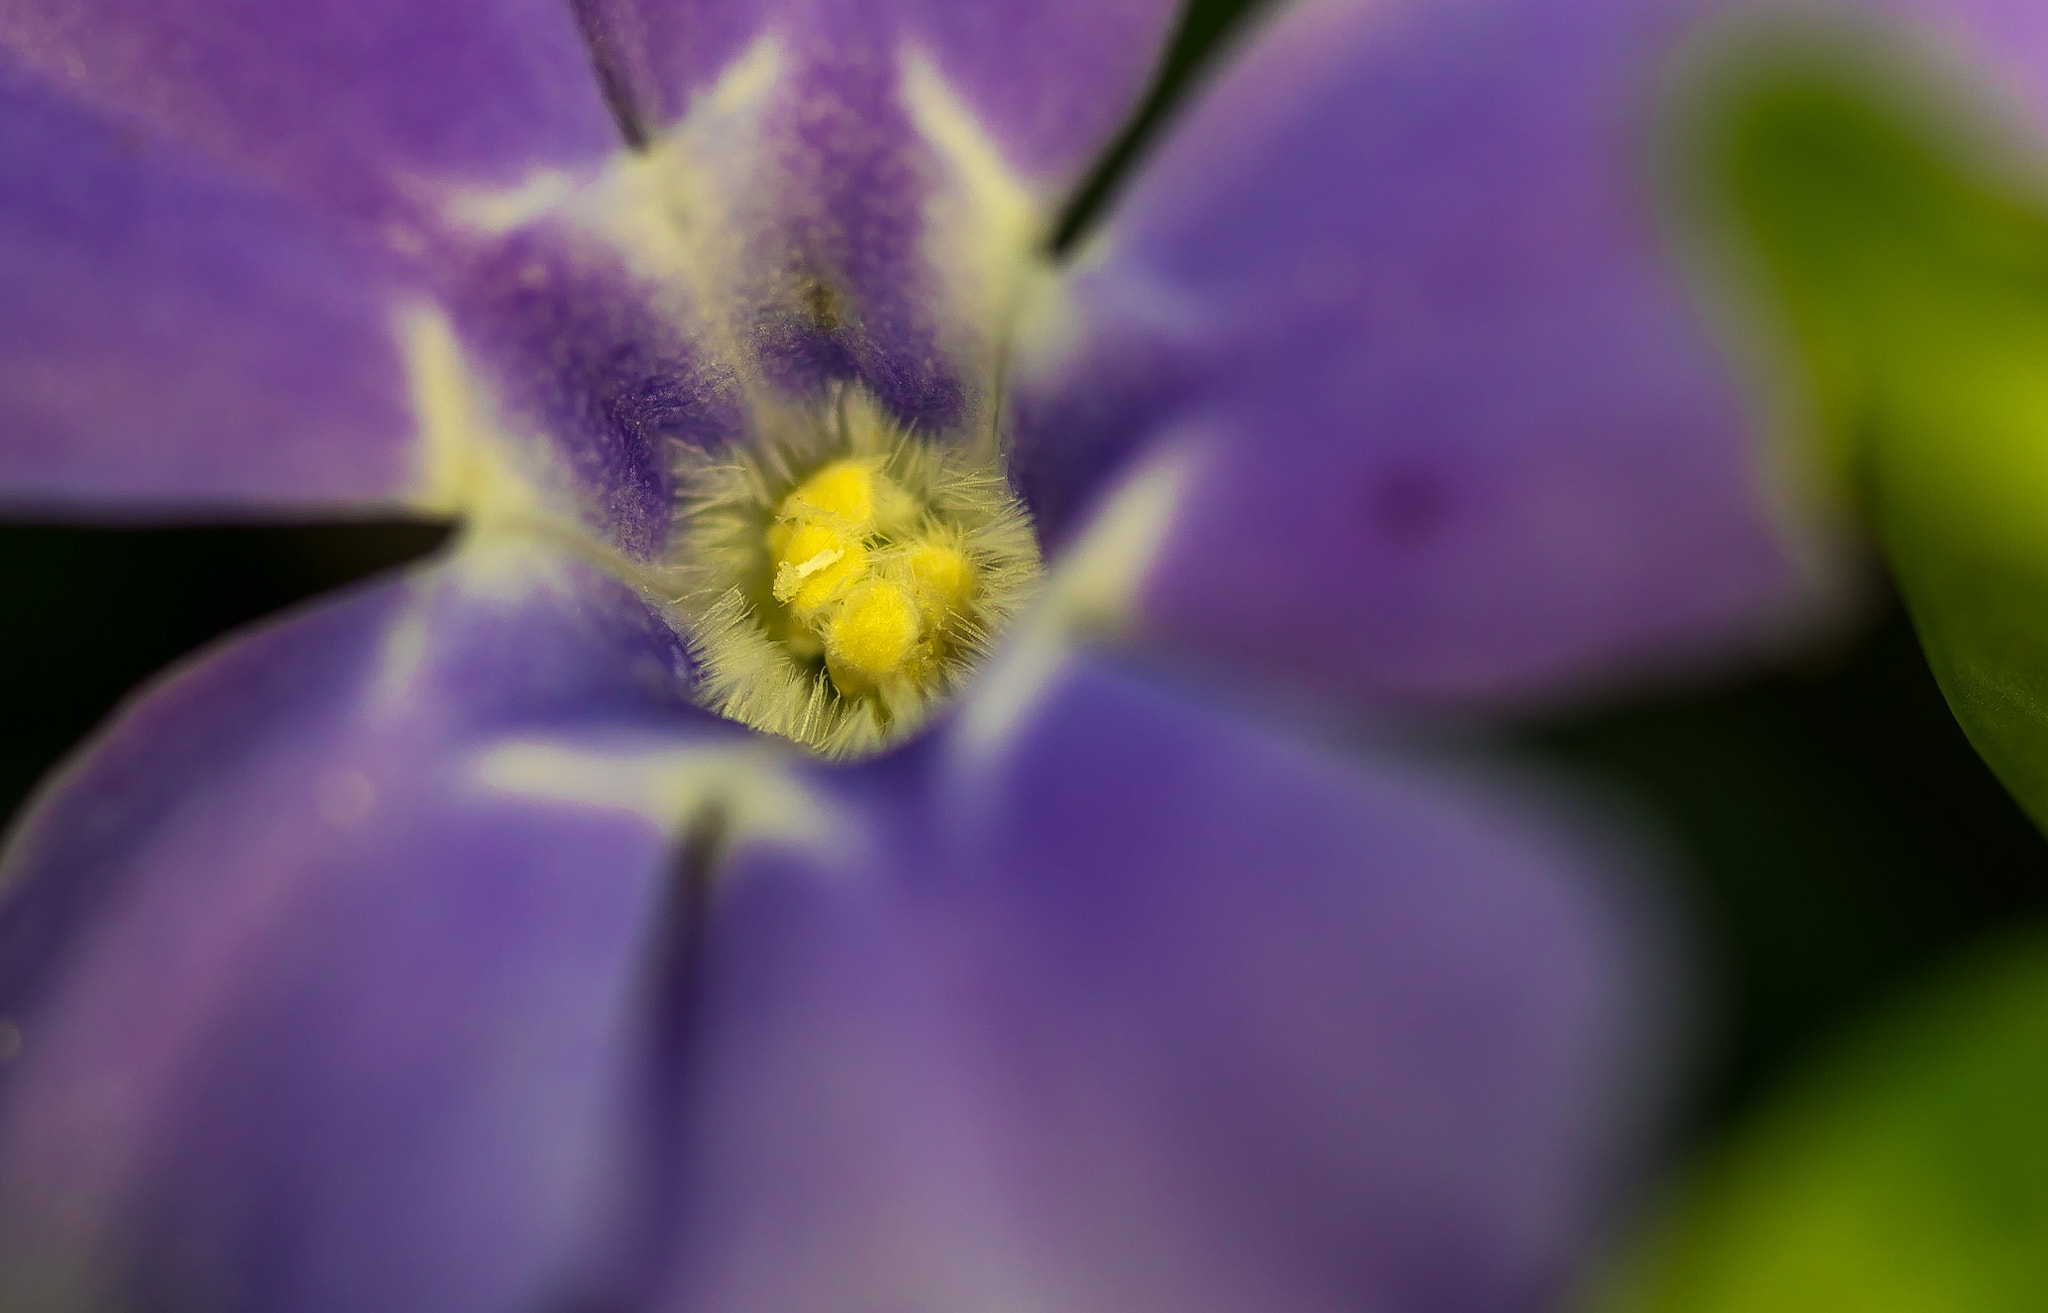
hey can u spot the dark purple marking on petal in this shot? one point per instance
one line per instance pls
(841, 288)
(172, 340)
(1461, 436)
(580, 353)
(1150, 1009)
(837, 284)
(1406, 506)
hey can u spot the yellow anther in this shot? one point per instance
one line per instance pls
(815, 566)
(874, 636)
(842, 492)
(941, 577)
(839, 582)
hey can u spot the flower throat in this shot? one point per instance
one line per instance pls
(841, 576)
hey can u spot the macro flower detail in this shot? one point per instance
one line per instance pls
(461, 943)
(839, 577)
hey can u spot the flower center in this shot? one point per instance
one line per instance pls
(868, 579)
(842, 576)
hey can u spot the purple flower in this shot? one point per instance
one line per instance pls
(438, 948)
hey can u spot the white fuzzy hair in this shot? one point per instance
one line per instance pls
(719, 576)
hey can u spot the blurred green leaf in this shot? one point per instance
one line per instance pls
(1906, 264)
(1908, 1174)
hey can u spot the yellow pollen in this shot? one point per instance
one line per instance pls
(840, 582)
(842, 491)
(874, 637)
(844, 494)
(816, 564)
(941, 578)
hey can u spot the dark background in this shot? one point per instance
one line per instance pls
(1841, 837)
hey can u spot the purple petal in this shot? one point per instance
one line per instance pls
(178, 342)
(1050, 80)
(1146, 1009)
(315, 1014)
(171, 338)
(1452, 430)
(587, 367)
(832, 225)
(1124, 1006)
(348, 102)
(2003, 44)
(870, 183)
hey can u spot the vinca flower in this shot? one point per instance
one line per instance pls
(874, 807)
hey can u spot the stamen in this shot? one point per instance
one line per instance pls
(942, 578)
(815, 566)
(872, 640)
(842, 577)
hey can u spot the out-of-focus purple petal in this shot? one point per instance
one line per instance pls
(171, 338)
(1453, 431)
(2006, 39)
(352, 103)
(1144, 1008)
(322, 1010)
(351, 973)
(1050, 81)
